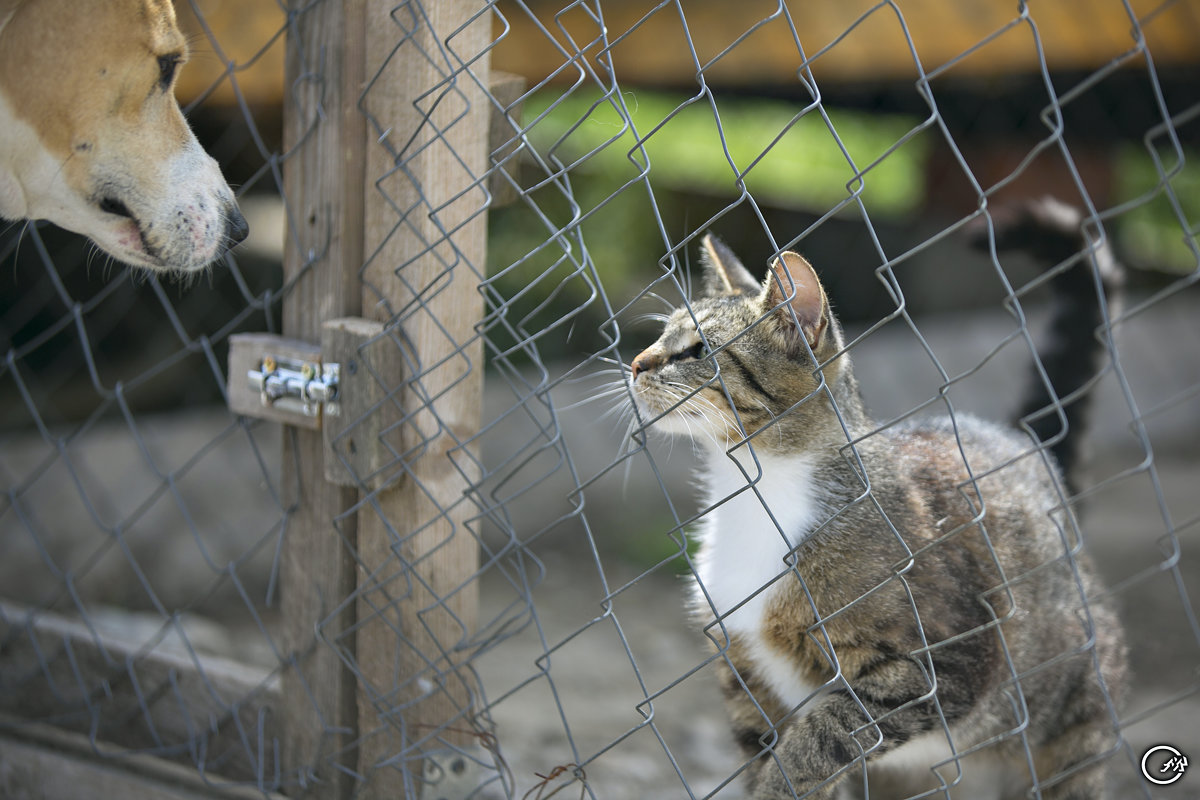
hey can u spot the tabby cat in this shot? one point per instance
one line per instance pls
(896, 610)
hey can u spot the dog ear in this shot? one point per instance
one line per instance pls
(723, 272)
(792, 288)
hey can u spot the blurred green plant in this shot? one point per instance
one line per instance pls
(1151, 234)
(786, 159)
(787, 156)
(647, 546)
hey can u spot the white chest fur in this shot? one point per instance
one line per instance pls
(758, 515)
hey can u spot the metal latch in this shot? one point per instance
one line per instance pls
(296, 385)
(345, 387)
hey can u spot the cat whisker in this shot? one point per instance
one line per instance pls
(627, 449)
(694, 394)
(656, 296)
(652, 316)
(613, 370)
(597, 396)
(624, 406)
(687, 392)
(605, 388)
(691, 405)
(773, 417)
(610, 360)
(622, 415)
(603, 375)
(725, 421)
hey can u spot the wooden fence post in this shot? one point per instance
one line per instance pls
(426, 236)
(386, 148)
(324, 136)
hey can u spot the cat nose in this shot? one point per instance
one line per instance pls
(643, 361)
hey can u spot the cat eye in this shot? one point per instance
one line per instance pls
(693, 353)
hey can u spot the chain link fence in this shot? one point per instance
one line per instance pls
(472, 578)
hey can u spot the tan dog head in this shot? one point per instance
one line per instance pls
(92, 139)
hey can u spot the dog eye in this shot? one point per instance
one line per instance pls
(167, 67)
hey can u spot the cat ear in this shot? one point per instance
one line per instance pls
(723, 272)
(792, 282)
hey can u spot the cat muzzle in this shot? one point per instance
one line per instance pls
(646, 360)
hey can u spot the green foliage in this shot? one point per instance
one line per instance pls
(647, 546)
(1152, 233)
(787, 156)
(672, 148)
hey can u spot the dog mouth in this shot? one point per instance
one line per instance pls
(135, 238)
(114, 206)
(185, 242)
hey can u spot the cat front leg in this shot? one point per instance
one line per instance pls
(817, 753)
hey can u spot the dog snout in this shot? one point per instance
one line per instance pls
(236, 227)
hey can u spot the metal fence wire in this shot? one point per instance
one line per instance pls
(509, 553)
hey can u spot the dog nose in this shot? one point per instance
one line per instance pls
(236, 227)
(647, 359)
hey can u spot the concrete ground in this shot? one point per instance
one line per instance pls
(594, 661)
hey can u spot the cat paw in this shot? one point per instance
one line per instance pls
(771, 784)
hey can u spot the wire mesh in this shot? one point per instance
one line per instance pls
(146, 530)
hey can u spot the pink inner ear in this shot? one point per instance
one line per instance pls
(793, 274)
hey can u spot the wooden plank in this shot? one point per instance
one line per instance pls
(55, 670)
(650, 48)
(362, 441)
(507, 90)
(324, 135)
(426, 232)
(41, 761)
(245, 353)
